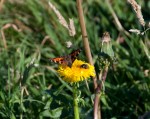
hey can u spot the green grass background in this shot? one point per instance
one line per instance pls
(127, 87)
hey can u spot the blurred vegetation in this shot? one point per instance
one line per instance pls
(34, 90)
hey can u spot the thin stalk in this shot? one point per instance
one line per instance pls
(97, 106)
(4, 39)
(75, 102)
(1, 4)
(97, 110)
(85, 37)
(21, 102)
(86, 46)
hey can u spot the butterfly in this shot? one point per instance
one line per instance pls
(68, 59)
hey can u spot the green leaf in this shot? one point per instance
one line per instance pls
(12, 116)
(47, 106)
(104, 101)
(55, 113)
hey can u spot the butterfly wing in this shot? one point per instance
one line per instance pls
(74, 54)
(59, 60)
(68, 59)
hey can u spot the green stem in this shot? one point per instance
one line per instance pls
(21, 102)
(75, 102)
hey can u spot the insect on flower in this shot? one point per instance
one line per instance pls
(84, 66)
(68, 59)
(79, 71)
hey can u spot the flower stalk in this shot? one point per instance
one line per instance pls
(106, 57)
(79, 71)
(75, 102)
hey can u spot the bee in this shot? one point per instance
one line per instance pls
(84, 66)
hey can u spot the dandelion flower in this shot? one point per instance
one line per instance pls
(79, 71)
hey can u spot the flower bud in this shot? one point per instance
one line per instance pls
(106, 55)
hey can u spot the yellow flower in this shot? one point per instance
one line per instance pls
(77, 72)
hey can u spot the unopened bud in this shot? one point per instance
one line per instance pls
(106, 55)
(106, 46)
